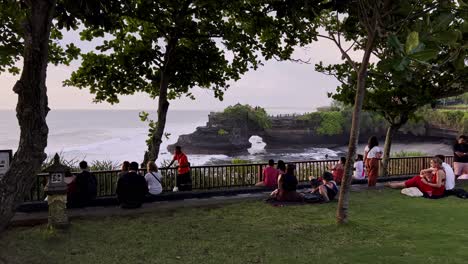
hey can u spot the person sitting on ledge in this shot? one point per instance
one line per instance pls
(431, 182)
(338, 170)
(287, 184)
(153, 178)
(281, 166)
(85, 184)
(124, 169)
(359, 168)
(328, 190)
(270, 175)
(131, 188)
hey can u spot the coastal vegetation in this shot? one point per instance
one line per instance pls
(246, 113)
(386, 227)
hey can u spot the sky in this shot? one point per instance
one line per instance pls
(276, 85)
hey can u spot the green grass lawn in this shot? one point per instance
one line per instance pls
(385, 227)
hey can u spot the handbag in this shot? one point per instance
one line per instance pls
(156, 178)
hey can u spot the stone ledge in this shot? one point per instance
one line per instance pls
(41, 206)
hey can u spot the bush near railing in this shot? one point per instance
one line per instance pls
(235, 175)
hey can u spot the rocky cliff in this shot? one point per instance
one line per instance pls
(227, 135)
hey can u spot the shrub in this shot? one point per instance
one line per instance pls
(256, 115)
(222, 132)
(404, 154)
(332, 123)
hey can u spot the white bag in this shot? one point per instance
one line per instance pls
(412, 192)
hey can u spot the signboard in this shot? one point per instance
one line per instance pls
(5, 160)
(56, 177)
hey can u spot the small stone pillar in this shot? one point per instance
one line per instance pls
(56, 190)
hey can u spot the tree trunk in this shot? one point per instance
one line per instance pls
(343, 202)
(31, 110)
(392, 129)
(163, 104)
(156, 138)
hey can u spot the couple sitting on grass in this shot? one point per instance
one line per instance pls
(434, 183)
(325, 190)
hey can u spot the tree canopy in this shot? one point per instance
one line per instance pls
(165, 48)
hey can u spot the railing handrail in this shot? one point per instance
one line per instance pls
(253, 164)
(234, 175)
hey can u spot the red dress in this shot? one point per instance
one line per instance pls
(424, 188)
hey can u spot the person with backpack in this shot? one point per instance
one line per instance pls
(153, 177)
(85, 187)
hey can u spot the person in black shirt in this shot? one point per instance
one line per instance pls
(131, 188)
(460, 157)
(85, 187)
(287, 184)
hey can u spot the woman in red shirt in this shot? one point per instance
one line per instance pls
(432, 187)
(338, 170)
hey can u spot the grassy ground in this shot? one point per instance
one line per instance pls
(386, 227)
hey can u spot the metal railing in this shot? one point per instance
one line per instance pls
(236, 175)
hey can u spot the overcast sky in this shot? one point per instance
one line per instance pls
(275, 85)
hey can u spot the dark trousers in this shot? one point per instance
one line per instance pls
(184, 182)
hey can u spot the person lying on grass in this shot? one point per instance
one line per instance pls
(327, 188)
(432, 186)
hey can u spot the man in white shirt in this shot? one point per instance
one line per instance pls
(449, 175)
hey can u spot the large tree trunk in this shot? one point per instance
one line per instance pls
(392, 129)
(343, 202)
(156, 138)
(31, 110)
(163, 104)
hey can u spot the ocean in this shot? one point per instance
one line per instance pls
(119, 135)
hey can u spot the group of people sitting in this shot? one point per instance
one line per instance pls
(283, 178)
(133, 188)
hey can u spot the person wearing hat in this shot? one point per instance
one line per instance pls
(287, 184)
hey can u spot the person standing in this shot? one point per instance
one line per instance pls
(460, 157)
(131, 188)
(372, 153)
(184, 180)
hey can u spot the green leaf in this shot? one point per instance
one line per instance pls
(447, 37)
(443, 21)
(395, 43)
(459, 63)
(401, 65)
(464, 27)
(425, 55)
(412, 42)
